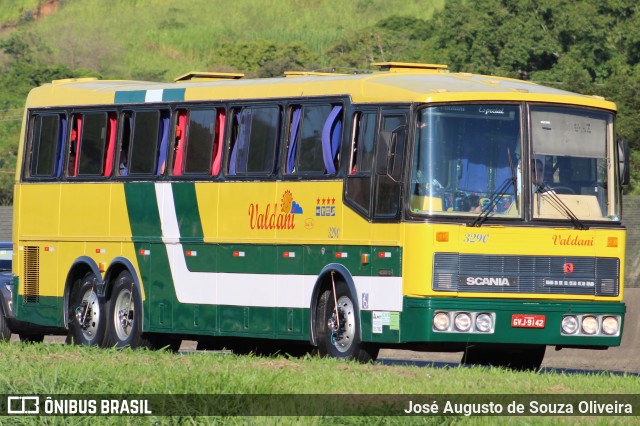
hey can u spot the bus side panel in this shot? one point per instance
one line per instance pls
(39, 295)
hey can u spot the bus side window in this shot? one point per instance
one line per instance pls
(47, 136)
(254, 138)
(148, 143)
(358, 186)
(200, 144)
(92, 144)
(315, 136)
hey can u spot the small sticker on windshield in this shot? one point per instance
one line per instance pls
(546, 125)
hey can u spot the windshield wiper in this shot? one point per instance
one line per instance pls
(552, 198)
(488, 208)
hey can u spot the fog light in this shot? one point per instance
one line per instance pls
(463, 321)
(569, 324)
(610, 325)
(589, 325)
(441, 321)
(484, 323)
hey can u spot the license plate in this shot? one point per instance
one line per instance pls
(528, 321)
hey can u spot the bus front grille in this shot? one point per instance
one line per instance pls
(526, 274)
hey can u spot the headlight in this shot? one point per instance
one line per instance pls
(463, 321)
(569, 324)
(484, 323)
(610, 325)
(441, 321)
(589, 324)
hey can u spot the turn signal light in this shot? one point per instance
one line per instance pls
(442, 237)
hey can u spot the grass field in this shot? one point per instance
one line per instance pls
(14, 10)
(57, 369)
(166, 38)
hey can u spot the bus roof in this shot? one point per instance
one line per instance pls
(398, 82)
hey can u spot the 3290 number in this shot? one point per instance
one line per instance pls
(476, 238)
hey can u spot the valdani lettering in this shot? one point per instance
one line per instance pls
(270, 218)
(572, 240)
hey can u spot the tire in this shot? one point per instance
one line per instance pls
(343, 342)
(527, 358)
(87, 313)
(125, 315)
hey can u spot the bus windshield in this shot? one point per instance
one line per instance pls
(569, 164)
(465, 160)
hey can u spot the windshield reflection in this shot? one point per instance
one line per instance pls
(462, 160)
(466, 162)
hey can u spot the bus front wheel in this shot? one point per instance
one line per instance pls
(338, 329)
(88, 322)
(124, 314)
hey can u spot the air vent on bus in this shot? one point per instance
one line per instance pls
(410, 67)
(208, 76)
(31, 274)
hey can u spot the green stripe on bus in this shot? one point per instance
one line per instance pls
(46, 311)
(130, 96)
(142, 207)
(291, 259)
(173, 95)
(187, 211)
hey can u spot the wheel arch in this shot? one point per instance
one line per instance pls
(324, 282)
(84, 264)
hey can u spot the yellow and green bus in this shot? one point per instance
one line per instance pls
(411, 207)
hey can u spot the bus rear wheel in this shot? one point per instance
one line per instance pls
(88, 322)
(338, 329)
(124, 314)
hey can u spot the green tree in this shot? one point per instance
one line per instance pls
(264, 58)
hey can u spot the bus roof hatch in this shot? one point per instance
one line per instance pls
(409, 67)
(208, 76)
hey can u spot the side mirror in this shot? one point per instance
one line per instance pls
(623, 161)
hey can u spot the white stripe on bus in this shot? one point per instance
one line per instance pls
(268, 290)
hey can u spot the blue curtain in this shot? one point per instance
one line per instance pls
(293, 140)
(60, 151)
(164, 141)
(331, 137)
